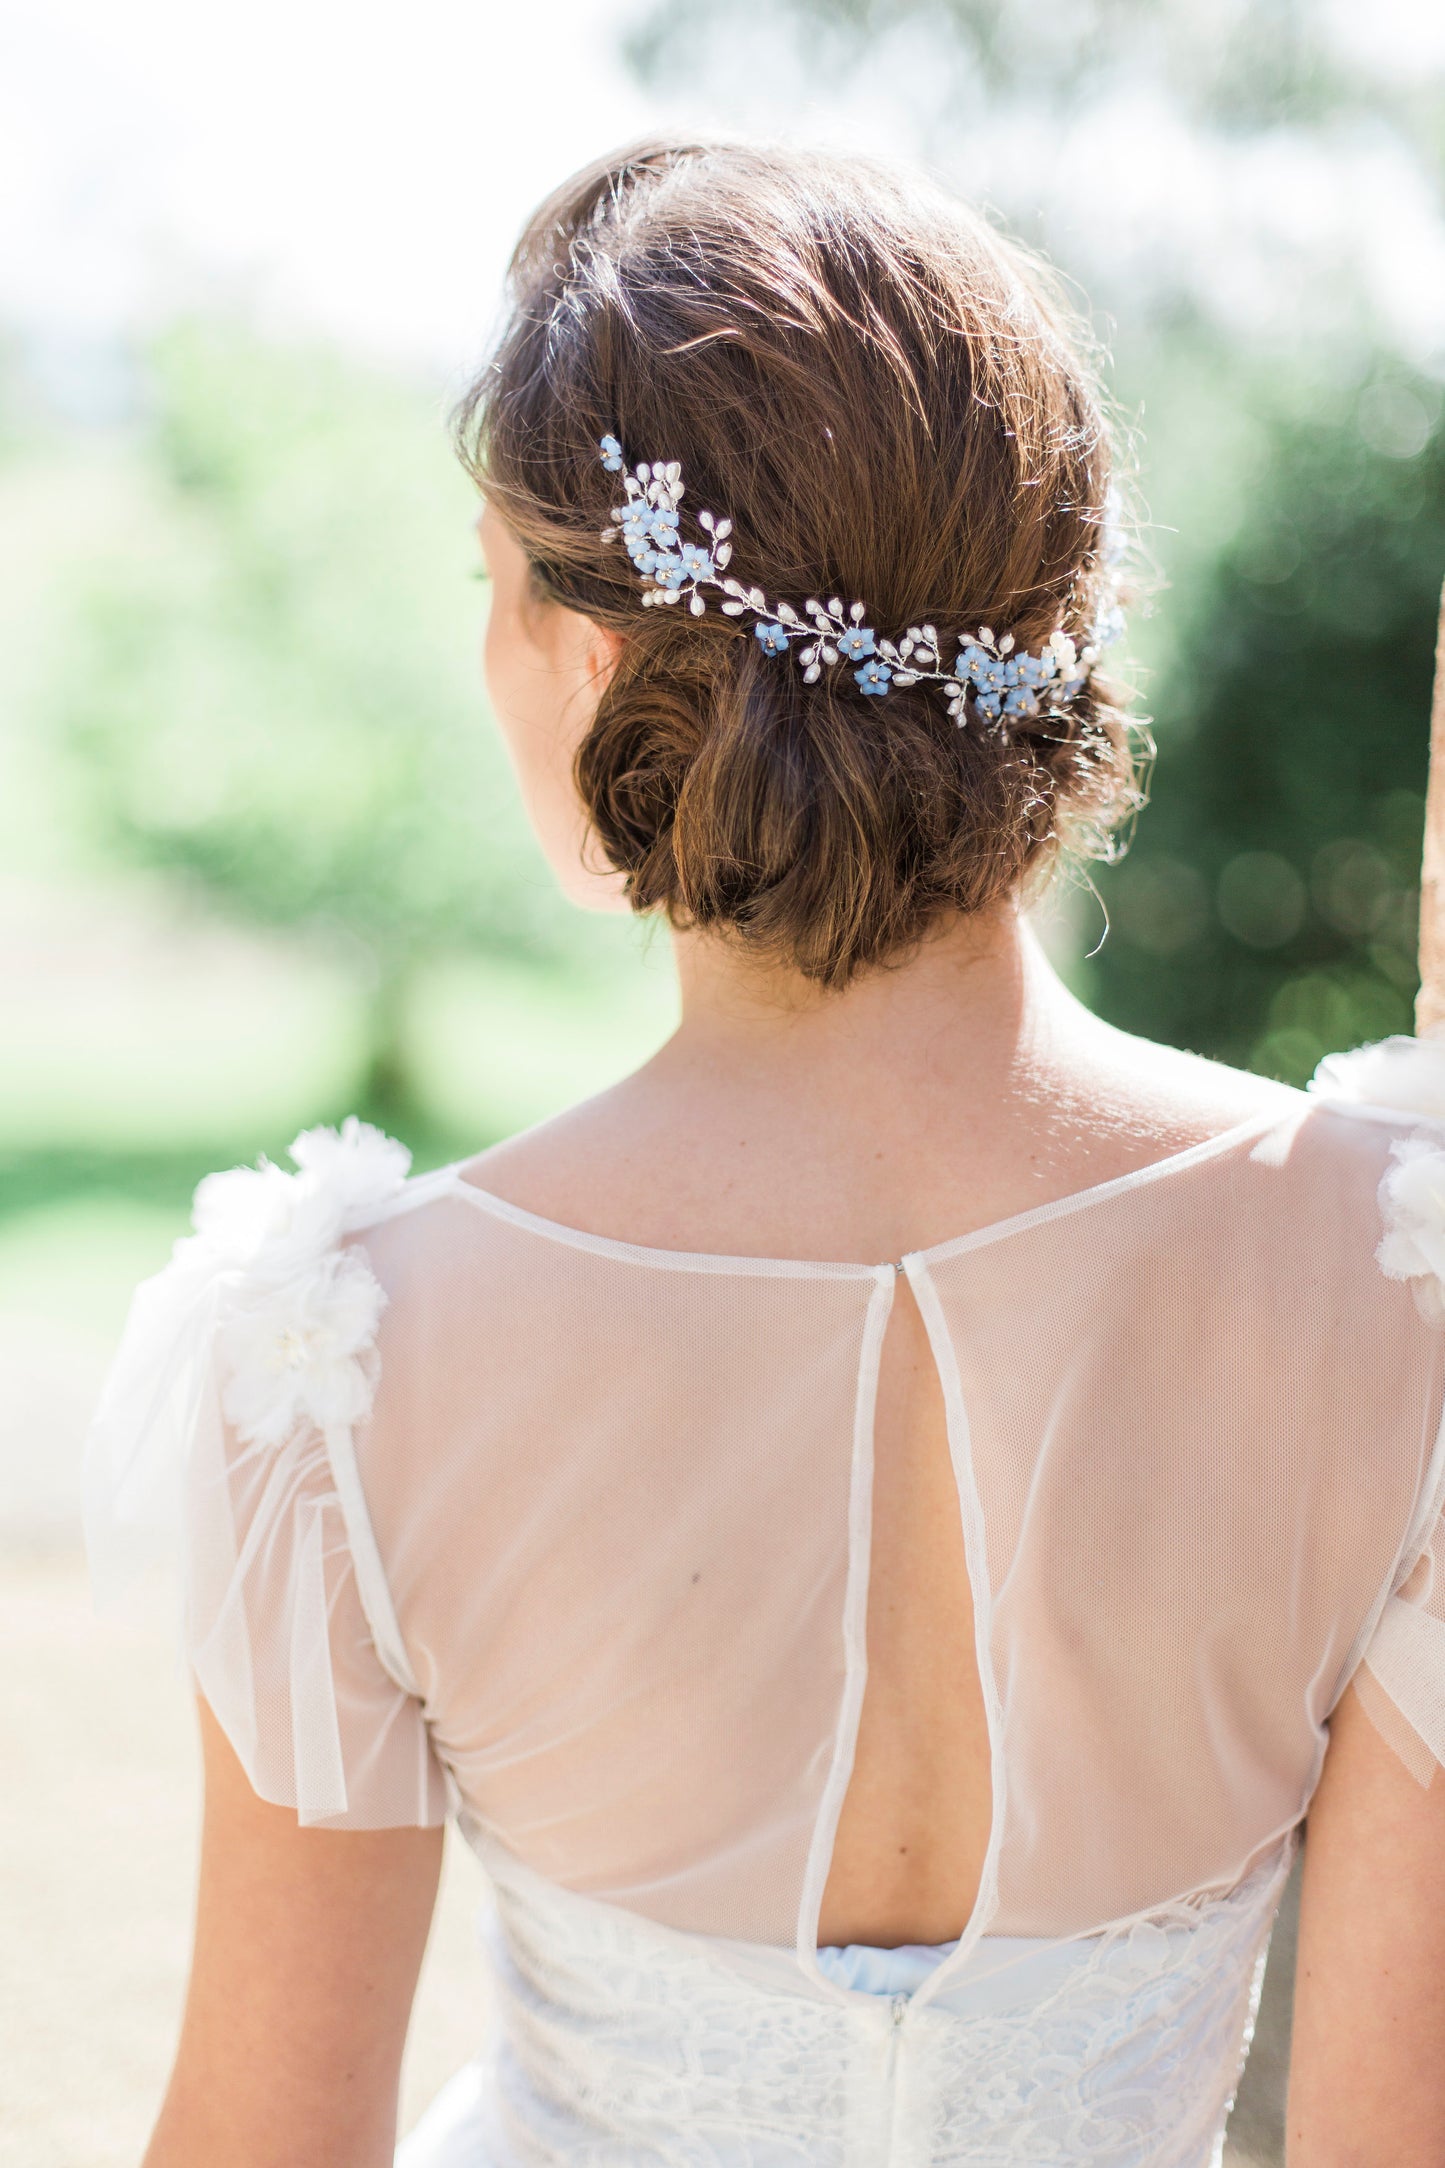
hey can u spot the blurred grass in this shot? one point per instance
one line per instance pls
(129, 1074)
(126, 1086)
(74, 1258)
(151, 1040)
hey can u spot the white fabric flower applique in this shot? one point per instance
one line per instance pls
(301, 1321)
(263, 1308)
(298, 1351)
(1406, 1076)
(264, 1216)
(1402, 1074)
(1412, 1203)
(295, 1339)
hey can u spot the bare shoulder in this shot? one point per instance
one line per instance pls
(865, 1165)
(1167, 1098)
(548, 1166)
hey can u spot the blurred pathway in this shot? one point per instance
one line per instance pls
(98, 1827)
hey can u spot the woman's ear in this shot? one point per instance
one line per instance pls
(607, 652)
(574, 644)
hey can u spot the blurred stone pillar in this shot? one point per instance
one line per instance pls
(1257, 2126)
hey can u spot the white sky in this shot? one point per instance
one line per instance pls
(358, 165)
(365, 167)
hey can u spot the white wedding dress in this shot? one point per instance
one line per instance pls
(568, 1539)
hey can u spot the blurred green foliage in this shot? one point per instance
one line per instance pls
(1266, 912)
(1236, 65)
(274, 691)
(267, 693)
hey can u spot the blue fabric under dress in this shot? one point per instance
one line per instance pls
(876, 1971)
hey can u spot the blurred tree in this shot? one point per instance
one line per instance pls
(276, 693)
(1238, 65)
(1266, 912)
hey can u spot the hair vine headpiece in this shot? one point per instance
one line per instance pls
(994, 678)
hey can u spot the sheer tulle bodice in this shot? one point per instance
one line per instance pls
(571, 1538)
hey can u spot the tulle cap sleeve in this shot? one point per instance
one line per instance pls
(1401, 1676)
(224, 1434)
(1401, 1679)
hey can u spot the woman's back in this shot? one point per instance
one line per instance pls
(910, 1463)
(921, 1120)
(668, 1529)
(580, 1550)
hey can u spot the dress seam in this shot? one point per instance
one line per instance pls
(855, 1640)
(371, 1583)
(1425, 1507)
(975, 1546)
(726, 1263)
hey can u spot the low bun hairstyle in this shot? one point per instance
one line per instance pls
(886, 400)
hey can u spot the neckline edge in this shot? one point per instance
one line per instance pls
(724, 1262)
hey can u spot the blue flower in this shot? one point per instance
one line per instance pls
(697, 560)
(644, 556)
(989, 704)
(636, 524)
(669, 571)
(1021, 701)
(772, 638)
(874, 676)
(1035, 670)
(611, 455)
(972, 663)
(855, 643)
(664, 525)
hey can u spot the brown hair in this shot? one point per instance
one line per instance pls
(885, 399)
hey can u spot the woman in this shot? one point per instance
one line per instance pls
(881, 1526)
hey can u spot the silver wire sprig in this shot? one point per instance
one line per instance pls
(991, 681)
